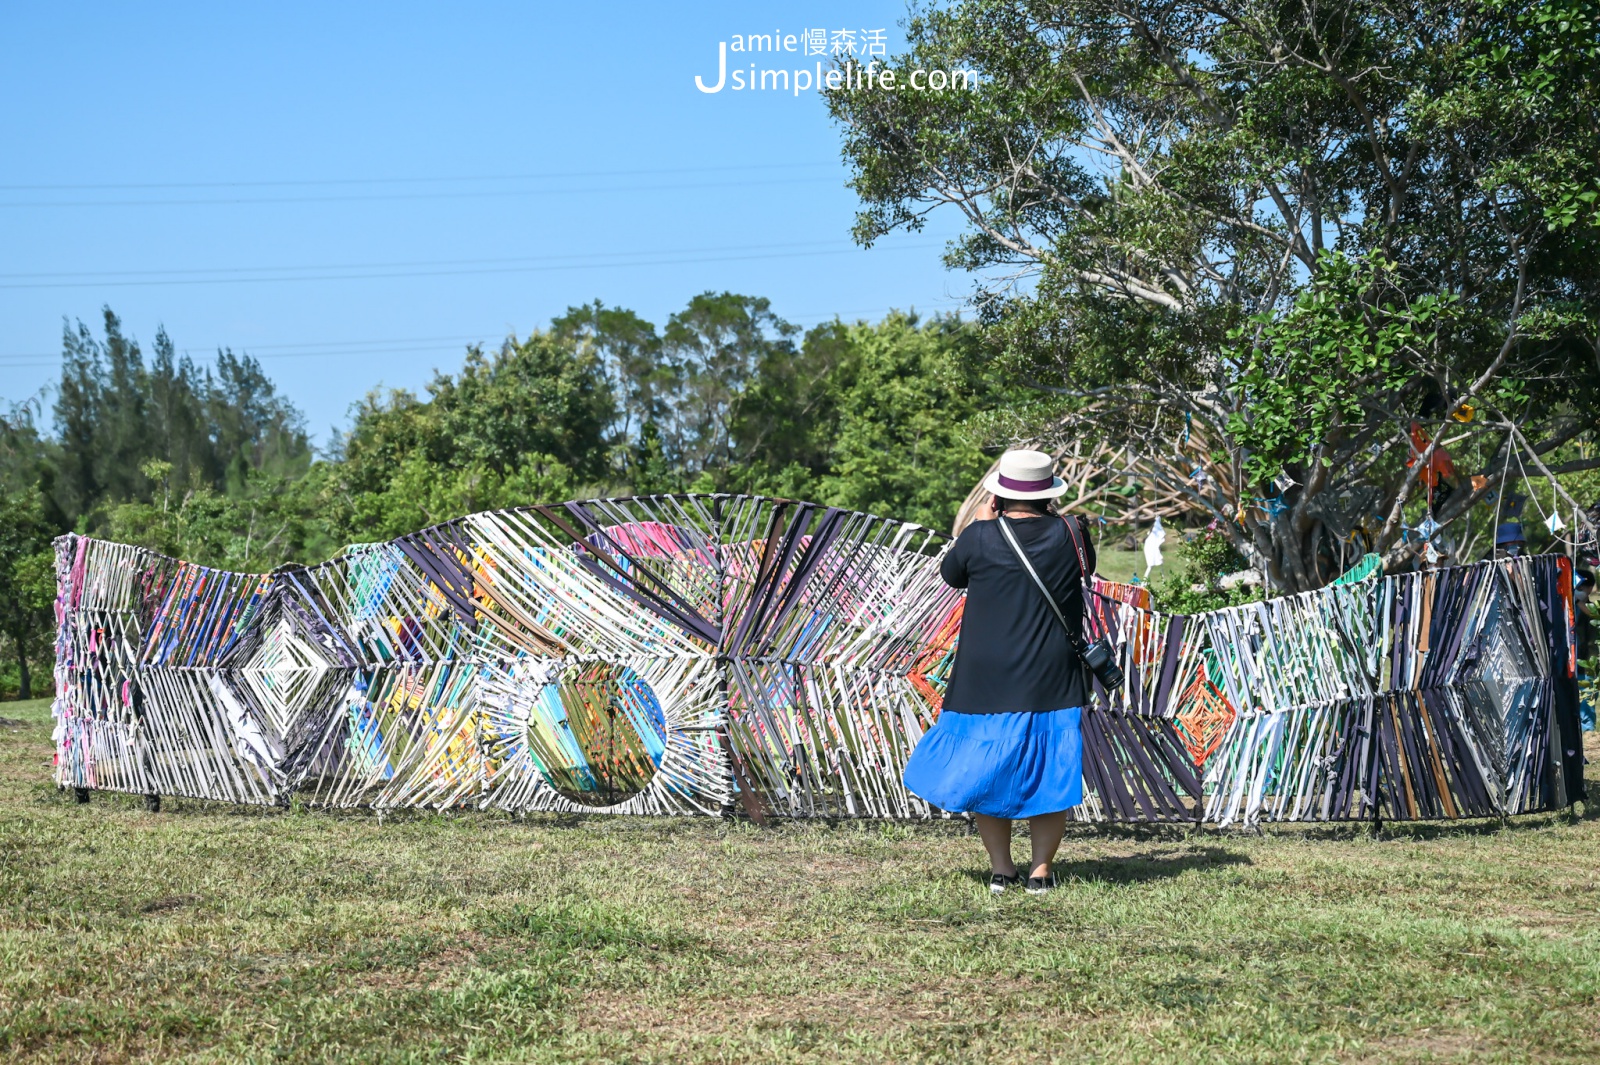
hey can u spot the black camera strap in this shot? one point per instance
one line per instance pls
(1075, 639)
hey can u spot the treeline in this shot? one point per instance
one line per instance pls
(212, 464)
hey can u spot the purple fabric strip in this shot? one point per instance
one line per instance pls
(805, 567)
(1025, 486)
(445, 571)
(640, 583)
(776, 553)
(1169, 665)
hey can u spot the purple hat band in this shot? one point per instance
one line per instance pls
(1026, 486)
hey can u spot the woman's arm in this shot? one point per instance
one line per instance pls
(953, 567)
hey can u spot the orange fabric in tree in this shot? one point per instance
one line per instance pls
(1439, 464)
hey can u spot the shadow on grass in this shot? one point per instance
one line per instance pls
(1156, 865)
(1139, 868)
(1444, 831)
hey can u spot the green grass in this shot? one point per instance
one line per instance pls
(1116, 564)
(213, 933)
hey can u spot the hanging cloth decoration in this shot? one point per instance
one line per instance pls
(1369, 564)
(1440, 465)
(1152, 546)
(1344, 703)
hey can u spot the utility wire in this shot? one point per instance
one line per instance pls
(447, 195)
(303, 182)
(400, 346)
(388, 274)
(97, 275)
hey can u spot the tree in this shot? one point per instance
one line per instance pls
(853, 414)
(28, 459)
(525, 425)
(209, 428)
(260, 523)
(903, 399)
(788, 422)
(27, 579)
(211, 465)
(716, 347)
(629, 350)
(1276, 257)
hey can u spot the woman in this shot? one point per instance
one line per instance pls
(1007, 744)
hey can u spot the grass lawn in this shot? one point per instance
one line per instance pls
(1114, 563)
(213, 933)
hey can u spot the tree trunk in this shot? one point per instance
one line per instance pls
(24, 678)
(25, 685)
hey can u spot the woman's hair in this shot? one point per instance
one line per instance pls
(1030, 506)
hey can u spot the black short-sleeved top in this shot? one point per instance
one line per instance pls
(1013, 655)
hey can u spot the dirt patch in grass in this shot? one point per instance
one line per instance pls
(168, 902)
(1426, 1045)
(878, 1012)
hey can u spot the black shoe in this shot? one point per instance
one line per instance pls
(1041, 885)
(998, 882)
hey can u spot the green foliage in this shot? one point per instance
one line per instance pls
(728, 397)
(723, 399)
(1252, 236)
(1520, 66)
(1306, 373)
(716, 348)
(525, 425)
(211, 427)
(24, 454)
(1588, 626)
(900, 446)
(419, 493)
(27, 582)
(1208, 555)
(268, 521)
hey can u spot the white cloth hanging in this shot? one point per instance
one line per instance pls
(1152, 546)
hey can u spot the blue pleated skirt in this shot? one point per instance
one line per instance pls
(1003, 765)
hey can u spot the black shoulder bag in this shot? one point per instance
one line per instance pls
(1098, 656)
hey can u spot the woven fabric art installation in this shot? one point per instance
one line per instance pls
(691, 654)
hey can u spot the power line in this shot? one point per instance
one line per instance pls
(304, 182)
(360, 343)
(393, 274)
(409, 345)
(323, 347)
(371, 198)
(505, 260)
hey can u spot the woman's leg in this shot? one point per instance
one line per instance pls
(996, 835)
(1044, 833)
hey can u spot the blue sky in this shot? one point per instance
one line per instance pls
(353, 193)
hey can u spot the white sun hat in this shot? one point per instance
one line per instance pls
(1025, 475)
